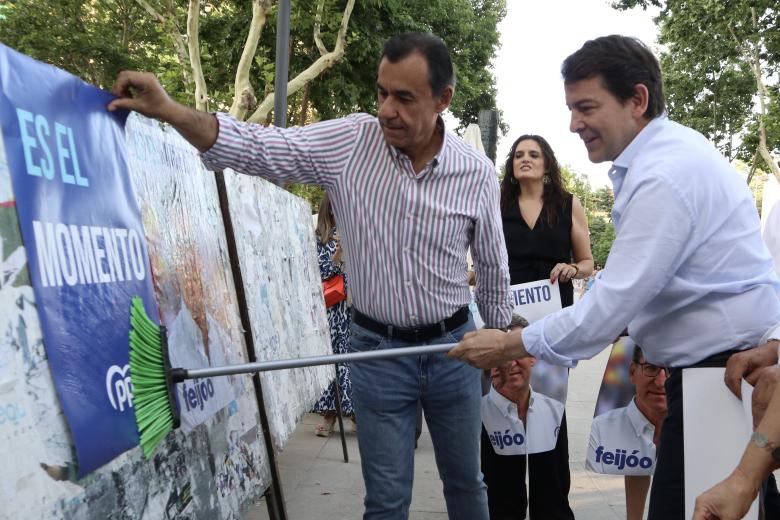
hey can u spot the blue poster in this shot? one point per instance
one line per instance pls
(85, 244)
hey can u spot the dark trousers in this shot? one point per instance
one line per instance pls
(548, 482)
(667, 495)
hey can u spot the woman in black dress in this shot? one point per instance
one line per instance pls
(546, 234)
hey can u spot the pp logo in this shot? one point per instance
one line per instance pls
(119, 388)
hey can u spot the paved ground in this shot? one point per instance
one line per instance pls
(318, 484)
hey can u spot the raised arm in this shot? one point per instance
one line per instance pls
(141, 92)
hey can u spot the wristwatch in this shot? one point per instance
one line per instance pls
(761, 440)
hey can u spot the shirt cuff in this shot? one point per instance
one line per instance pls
(536, 344)
(211, 157)
(772, 334)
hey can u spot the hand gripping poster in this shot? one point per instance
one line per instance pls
(84, 240)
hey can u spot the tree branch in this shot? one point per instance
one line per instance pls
(176, 37)
(315, 69)
(752, 170)
(751, 52)
(244, 98)
(317, 26)
(193, 44)
(755, 66)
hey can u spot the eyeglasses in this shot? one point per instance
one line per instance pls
(651, 370)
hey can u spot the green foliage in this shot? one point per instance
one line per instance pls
(598, 208)
(602, 235)
(90, 38)
(603, 200)
(311, 193)
(95, 39)
(468, 27)
(707, 77)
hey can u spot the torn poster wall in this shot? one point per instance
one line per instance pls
(220, 466)
(215, 471)
(277, 251)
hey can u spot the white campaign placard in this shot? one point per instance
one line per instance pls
(535, 300)
(716, 432)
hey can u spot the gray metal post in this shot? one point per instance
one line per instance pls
(282, 64)
(488, 126)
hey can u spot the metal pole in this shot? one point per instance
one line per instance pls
(282, 64)
(340, 412)
(276, 506)
(180, 374)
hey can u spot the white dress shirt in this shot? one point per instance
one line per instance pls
(621, 443)
(688, 271)
(506, 431)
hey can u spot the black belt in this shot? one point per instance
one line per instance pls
(415, 335)
(714, 361)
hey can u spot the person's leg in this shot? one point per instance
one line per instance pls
(667, 492)
(451, 399)
(504, 476)
(385, 394)
(549, 480)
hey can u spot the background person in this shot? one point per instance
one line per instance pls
(329, 257)
(688, 267)
(394, 182)
(636, 430)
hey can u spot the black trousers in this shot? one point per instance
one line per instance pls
(549, 482)
(667, 495)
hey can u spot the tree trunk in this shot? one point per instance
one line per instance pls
(763, 149)
(193, 44)
(751, 52)
(244, 98)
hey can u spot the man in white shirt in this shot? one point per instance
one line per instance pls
(688, 269)
(536, 434)
(517, 422)
(623, 440)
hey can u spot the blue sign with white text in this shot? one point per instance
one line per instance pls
(85, 244)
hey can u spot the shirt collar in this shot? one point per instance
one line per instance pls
(508, 407)
(635, 146)
(620, 165)
(436, 160)
(638, 420)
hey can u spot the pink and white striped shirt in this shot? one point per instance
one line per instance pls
(405, 235)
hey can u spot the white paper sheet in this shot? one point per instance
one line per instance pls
(716, 432)
(535, 300)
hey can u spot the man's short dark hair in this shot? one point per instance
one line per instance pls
(440, 71)
(622, 62)
(637, 356)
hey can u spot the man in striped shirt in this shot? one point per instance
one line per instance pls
(410, 199)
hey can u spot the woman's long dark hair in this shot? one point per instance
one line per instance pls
(554, 193)
(326, 225)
